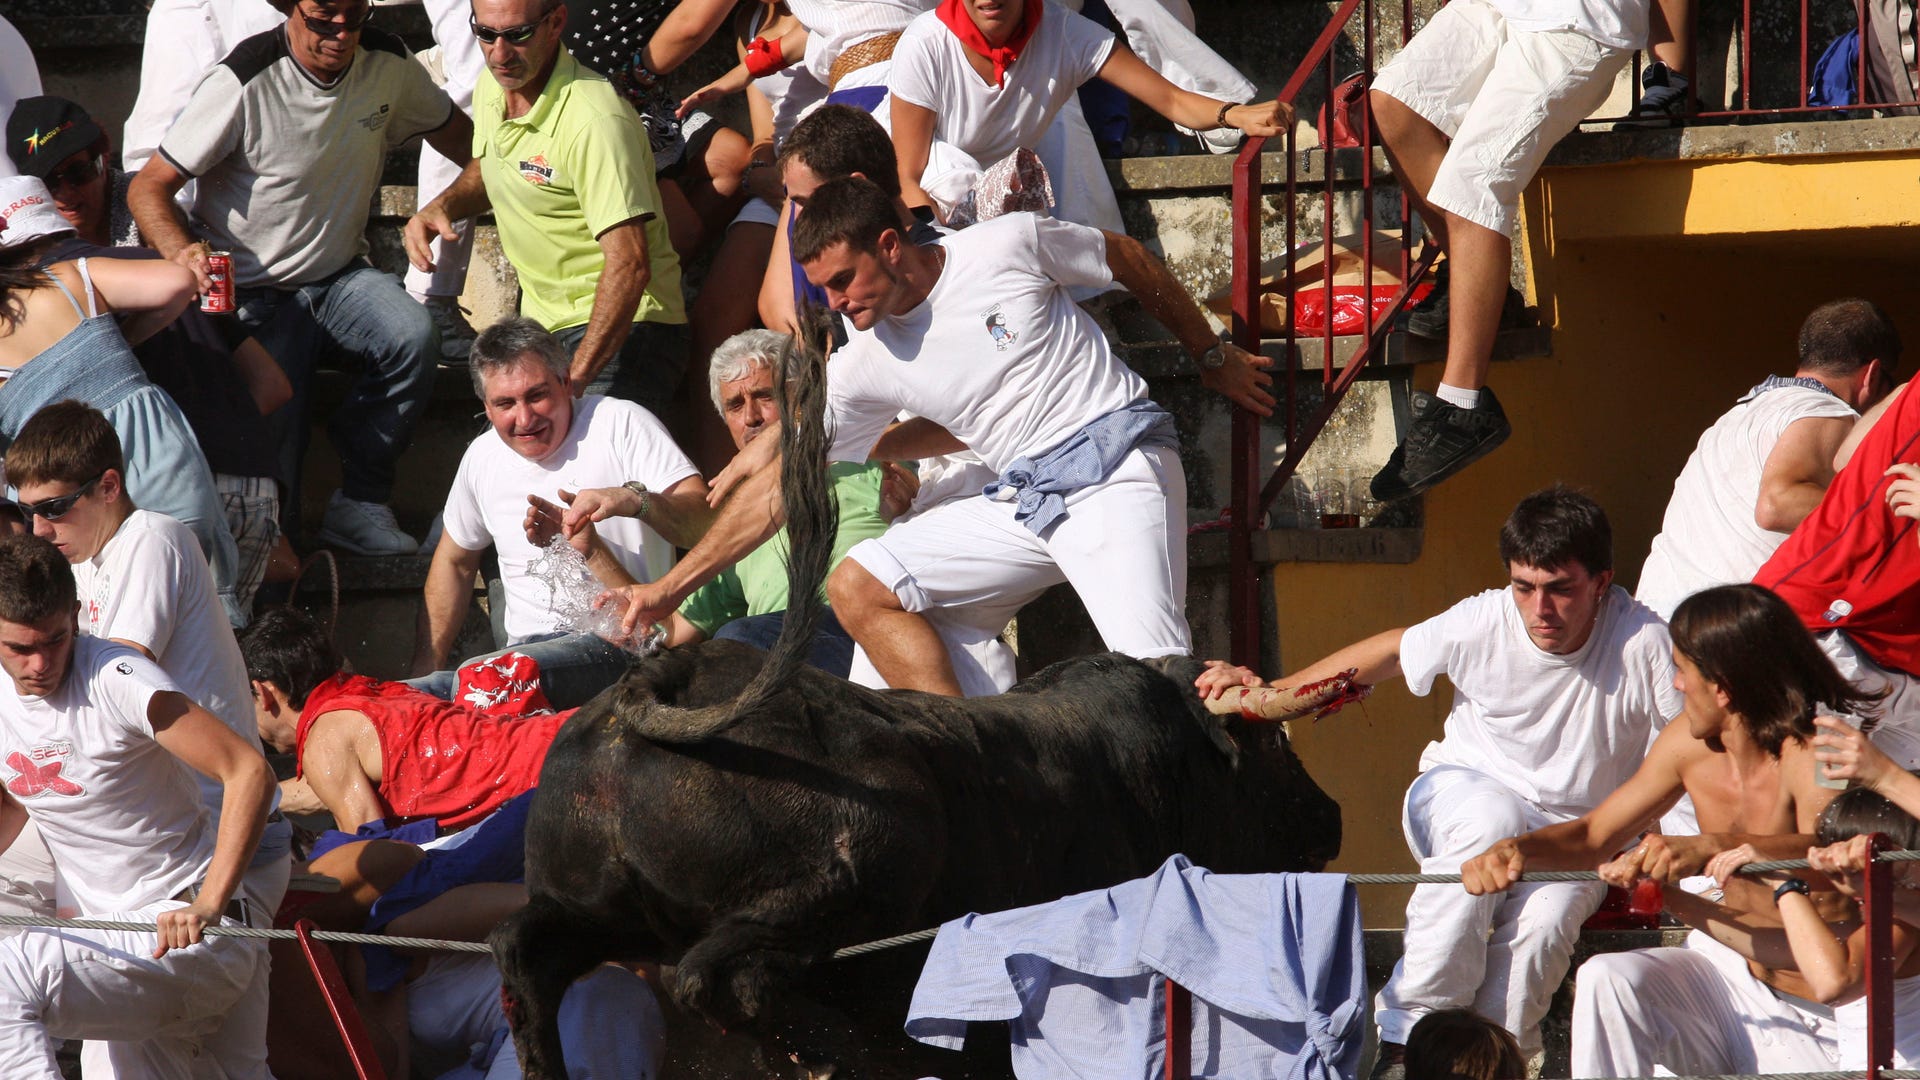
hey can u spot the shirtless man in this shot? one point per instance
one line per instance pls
(1751, 677)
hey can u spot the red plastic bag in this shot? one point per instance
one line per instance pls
(1348, 108)
(1350, 314)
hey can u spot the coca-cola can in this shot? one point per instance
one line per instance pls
(218, 299)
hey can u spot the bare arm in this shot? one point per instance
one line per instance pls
(205, 745)
(453, 140)
(1798, 470)
(462, 913)
(912, 145)
(334, 763)
(750, 516)
(623, 281)
(1147, 86)
(1862, 426)
(449, 590)
(464, 198)
(150, 294)
(687, 27)
(150, 200)
(266, 383)
(1240, 379)
(681, 513)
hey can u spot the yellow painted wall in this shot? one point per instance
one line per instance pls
(1654, 336)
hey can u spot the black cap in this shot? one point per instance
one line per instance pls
(45, 131)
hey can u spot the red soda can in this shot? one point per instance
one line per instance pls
(218, 299)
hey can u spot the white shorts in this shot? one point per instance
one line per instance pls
(1122, 545)
(1898, 732)
(1504, 97)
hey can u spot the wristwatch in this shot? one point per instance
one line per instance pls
(1792, 884)
(646, 497)
(1214, 358)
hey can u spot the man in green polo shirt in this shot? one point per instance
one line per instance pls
(748, 601)
(566, 167)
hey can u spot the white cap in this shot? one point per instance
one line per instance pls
(27, 212)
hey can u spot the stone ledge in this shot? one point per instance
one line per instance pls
(1720, 142)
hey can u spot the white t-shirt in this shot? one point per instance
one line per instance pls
(832, 25)
(988, 122)
(1563, 731)
(149, 584)
(118, 812)
(184, 38)
(19, 78)
(1621, 24)
(1708, 536)
(609, 443)
(998, 353)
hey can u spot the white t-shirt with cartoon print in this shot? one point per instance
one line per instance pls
(998, 353)
(118, 811)
(1562, 730)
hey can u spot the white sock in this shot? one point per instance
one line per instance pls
(1454, 395)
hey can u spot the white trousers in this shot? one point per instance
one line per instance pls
(460, 64)
(1696, 1011)
(196, 1012)
(1502, 955)
(1504, 97)
(1122, 546)
(610, 1024)
(1161, 34)
(26, 879)
(264, 886)
(1898, 732)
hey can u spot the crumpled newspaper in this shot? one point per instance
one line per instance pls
(1016, 183)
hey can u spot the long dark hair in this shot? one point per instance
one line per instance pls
(1860, 810)
(21, 273)
(1750, 644)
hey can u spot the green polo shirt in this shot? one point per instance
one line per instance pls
(577, 164)
(757, 584)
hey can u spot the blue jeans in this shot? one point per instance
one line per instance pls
(574, 668)
(365, 313)
(832, 650)
(646, 370)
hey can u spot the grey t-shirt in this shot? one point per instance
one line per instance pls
(287, 166)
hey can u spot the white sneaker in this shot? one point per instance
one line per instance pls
(364, 528)
(456, 333)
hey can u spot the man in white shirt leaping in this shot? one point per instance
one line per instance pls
(977, 337)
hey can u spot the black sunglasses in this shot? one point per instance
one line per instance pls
(56, 508)
(80, 172)
(514, 35)
(331, 28)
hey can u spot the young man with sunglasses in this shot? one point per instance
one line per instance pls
(290, 134)
(566, 166)
(143, 583)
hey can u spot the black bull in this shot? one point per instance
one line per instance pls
(740, 815)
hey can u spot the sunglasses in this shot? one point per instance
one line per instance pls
(76, 174)
(333, 28)
(56, 508)
(512, 35)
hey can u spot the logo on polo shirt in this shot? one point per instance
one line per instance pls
(535, 170)
(1003, 336)
(123, 668)
(375, 120)
(37, 772)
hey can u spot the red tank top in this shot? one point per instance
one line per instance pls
(438, 760)
(1852, 565)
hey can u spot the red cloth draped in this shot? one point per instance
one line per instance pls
(954, 14)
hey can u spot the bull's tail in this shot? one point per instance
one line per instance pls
(813, 521)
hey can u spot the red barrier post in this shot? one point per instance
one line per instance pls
(1876, 910)
(1179, 1032)
(346, 1018)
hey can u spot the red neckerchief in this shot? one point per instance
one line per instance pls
(954, 14)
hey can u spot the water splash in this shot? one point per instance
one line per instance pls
(571, 592)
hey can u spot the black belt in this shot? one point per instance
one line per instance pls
(236, 908)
